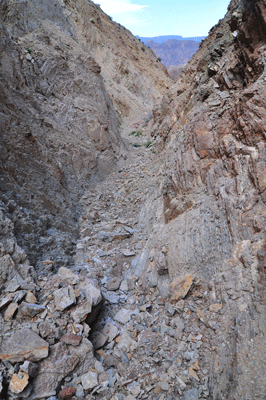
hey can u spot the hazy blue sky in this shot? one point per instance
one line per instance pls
(166, 17)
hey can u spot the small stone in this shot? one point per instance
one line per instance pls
(29, 310)
(104, 377)
(10, 311)
(68, 276)
(192, 355)
(172, 372)
(181, 383)
(164, 386)
(5, 301)
(112, 378)
(215, 307)
(104, 236)
(130, 397)
(110, 330)
(113, 284)
(98, 339)
(191, 394)
(79, 391)
(30, 298)
(19, 296)
(89, 380)
(129, 253)
(193, 373)
(67, 393)
(98, 366)
(28, 57)
(123, 316)
(12, 287)
(180, 287)
(81, 311)
(18, 382)
(124, 286)
(30, 368)
(91, 289)
(111, 361)
(111, 297)
(71, 338)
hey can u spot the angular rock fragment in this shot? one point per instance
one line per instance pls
(68, 276)
(64, 298)
(113, 284)
(7, 269)
(110, 330)
(92, 289)
(123, 316)
(30, 298)
(180, 287)
(67, 393)
(71, 338)
(18, 382)
(126, 342)
(23, 345)
(52, 370)
(89, 380)
(80, 312)
(29, 367)
(98, 339)
(10, 311)
(5, 301)
(215, 307)
(29, 310)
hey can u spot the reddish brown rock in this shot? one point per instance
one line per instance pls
(67, 393)
(71, 338)
(180, 287)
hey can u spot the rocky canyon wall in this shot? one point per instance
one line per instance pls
(207, 208)
(59, 128)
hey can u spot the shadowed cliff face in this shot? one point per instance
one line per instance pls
(58, 127)
(211, 130)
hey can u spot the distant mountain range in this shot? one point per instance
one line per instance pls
(174, 52)
(162, 39)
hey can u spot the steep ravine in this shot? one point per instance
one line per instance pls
(132, 262)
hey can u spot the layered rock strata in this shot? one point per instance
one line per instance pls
(209, 212)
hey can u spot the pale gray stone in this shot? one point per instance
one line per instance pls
(89, 380)
(123, 316)
(81, 310)
(67, 275)
(63, 298)
(92, 289)
(110, 330)
(191, 394)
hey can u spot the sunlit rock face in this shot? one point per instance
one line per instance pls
(210, 210)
